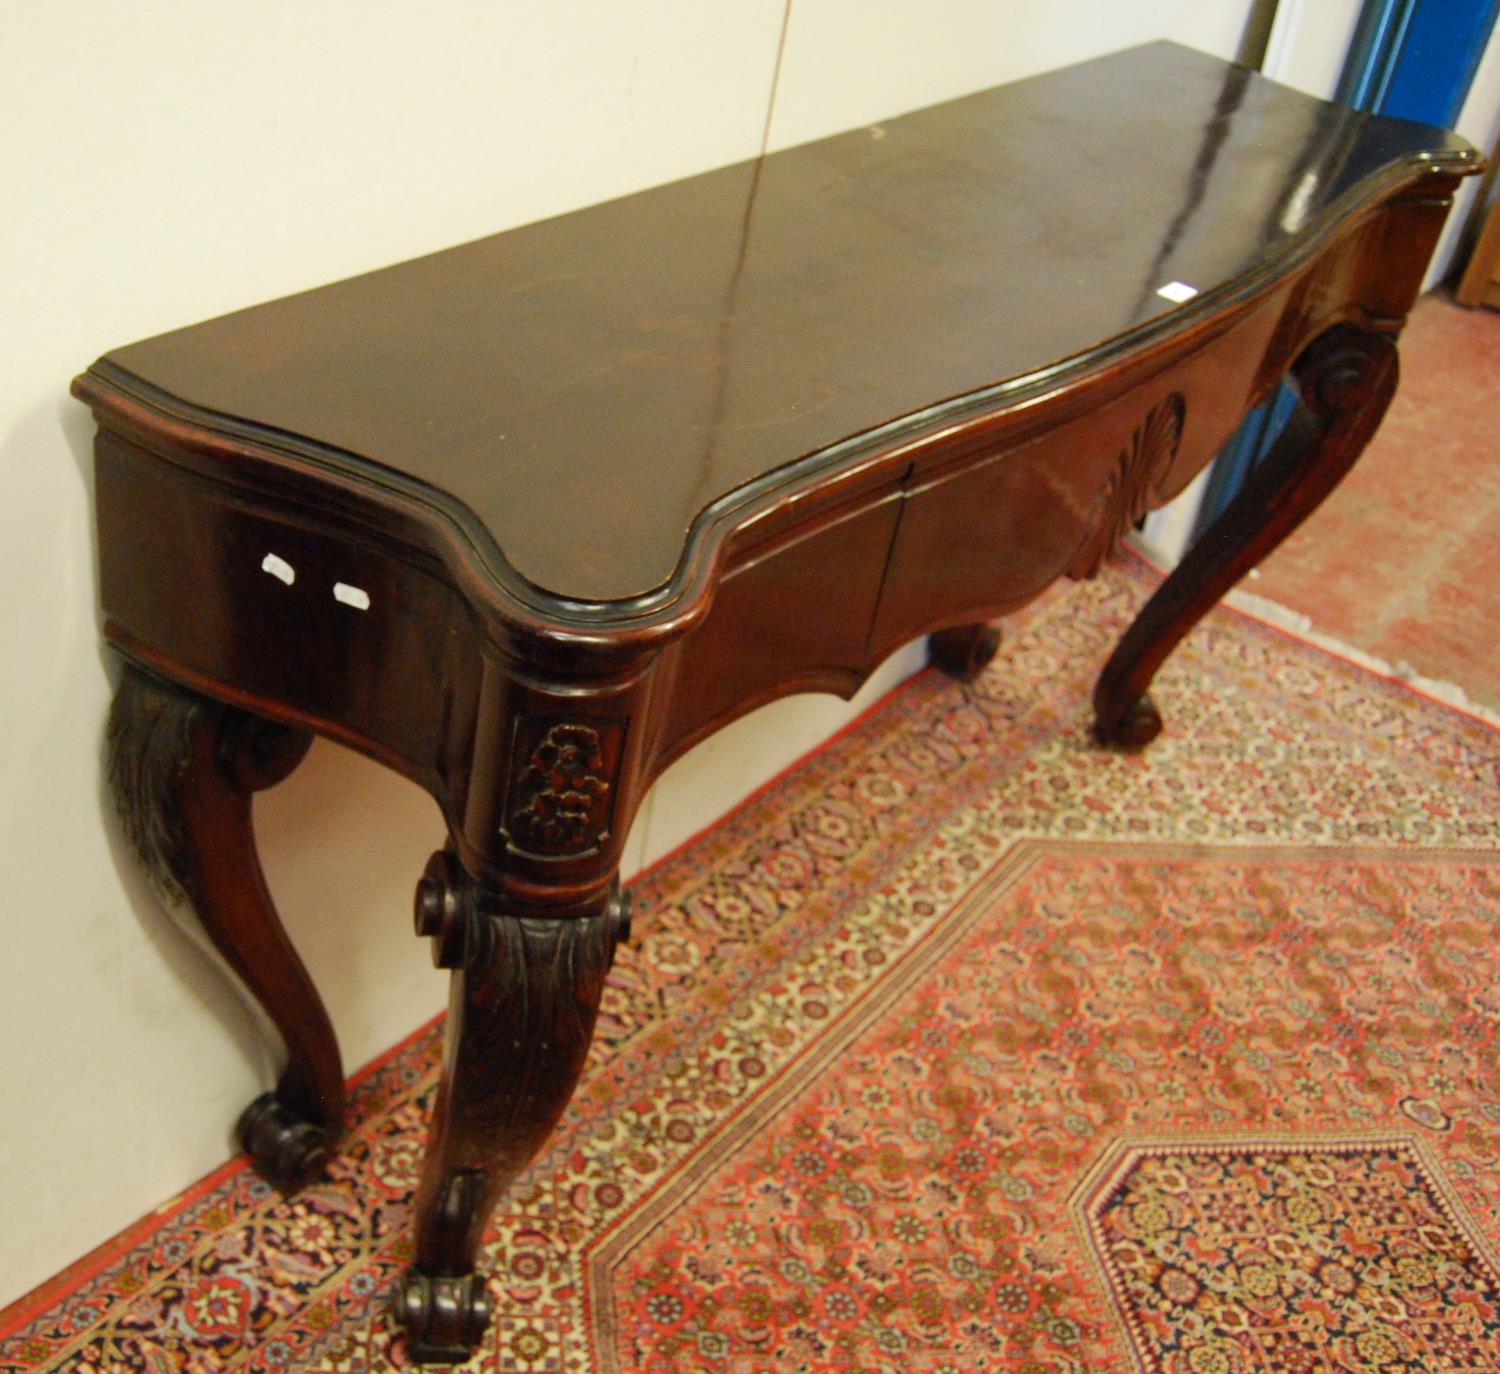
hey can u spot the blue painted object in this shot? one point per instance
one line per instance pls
(1416, 58)
(1236, 460)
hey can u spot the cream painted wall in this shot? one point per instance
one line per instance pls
(851, 62)
(1479, 122)
(165, 161)
(1309, 42)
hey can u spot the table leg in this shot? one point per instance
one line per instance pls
(182, 768)
(524, 996)
(963, 651)
(1346, 378)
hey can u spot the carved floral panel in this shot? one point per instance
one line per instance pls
(562, 786)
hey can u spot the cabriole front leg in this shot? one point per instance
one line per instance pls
(1345, 379)
(182, 768)
(525, 993)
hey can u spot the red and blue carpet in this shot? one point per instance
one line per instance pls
(967, 1047)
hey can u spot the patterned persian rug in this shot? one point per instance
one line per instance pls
(967, 1047)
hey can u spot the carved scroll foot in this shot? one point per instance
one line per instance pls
(1345, 379)
(521, 1013)
(444, 1318)
(288, 1150)
(1135, 729)
(964, 651)
(182, 769)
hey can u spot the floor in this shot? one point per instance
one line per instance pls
(1403, 561)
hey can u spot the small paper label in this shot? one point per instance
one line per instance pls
(1177, 292)
(279, 568)
(357, 597)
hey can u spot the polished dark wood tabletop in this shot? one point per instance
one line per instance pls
(629, 365)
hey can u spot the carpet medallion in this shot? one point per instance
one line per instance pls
(1292, 1257)
(968, 1047)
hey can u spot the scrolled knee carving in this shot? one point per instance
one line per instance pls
(446, 907)
(1342, 369)
(449, 910)
(150, 744)
(256, 753)
(620, 911)
(154, 737)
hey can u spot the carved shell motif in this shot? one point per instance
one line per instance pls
(559, 801)
(1135, 479)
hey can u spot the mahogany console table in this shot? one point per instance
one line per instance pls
(525, 519)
